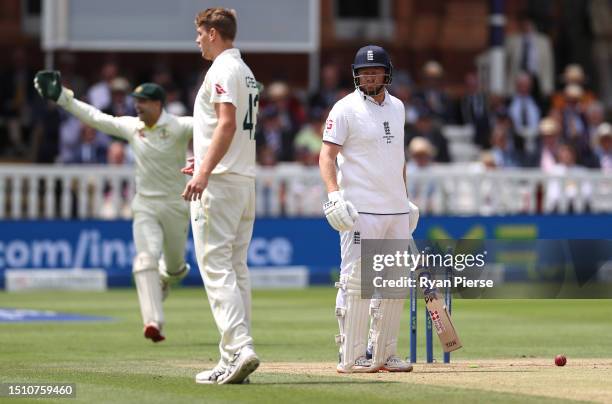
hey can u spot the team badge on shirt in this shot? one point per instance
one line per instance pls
(219, 89)
(388, 136)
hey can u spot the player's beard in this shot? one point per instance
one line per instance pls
(374, 92)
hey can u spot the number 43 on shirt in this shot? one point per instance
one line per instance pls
(247, 123)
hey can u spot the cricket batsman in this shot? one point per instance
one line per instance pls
(362, 164)
(159, 142)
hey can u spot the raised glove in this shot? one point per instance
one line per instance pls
(413, 216)
(340, 214)
(48, 83)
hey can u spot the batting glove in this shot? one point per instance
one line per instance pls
(48, 83)
(340, 214)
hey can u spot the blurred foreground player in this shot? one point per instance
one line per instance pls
(364, 139)
(222, 191)
(159, 141)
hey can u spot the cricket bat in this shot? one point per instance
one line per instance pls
(441, 320)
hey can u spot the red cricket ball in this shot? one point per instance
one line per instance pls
(560, 360)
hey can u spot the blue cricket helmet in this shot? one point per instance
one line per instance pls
(372, 56)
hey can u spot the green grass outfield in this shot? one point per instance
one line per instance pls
(112, 362)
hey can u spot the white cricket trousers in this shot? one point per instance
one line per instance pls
(368, 226)
(222, 225)
(160, 226)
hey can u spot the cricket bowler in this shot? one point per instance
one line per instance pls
(222, 192)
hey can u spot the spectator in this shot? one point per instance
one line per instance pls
(546, 157)
(274, 136)
(121, 104)
(574, 125)
(99, 95)
(604, 147)
(504, 156)
(524, 111)
(290, 111)
(573, 74)
(595, 116)
(308, 140)
(17, 99)
(421, 191)
(475, 110)
(531, 52)
(327, 95)
(432, 94)
(90, 149)
(425, 127)
(401, 87)
(174, 105)
(601, 25)
(566, 194)
(70, 78)
(116, 206)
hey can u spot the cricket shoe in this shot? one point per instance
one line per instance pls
(242, 365)
(153, 332)
(211, 376)
(362, 365)
(396, 364)
(167, 279)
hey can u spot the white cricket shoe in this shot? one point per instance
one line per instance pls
(210, 376)
(242, 365)
(362, 365)
(396, 364)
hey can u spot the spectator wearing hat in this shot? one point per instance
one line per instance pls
(574, 124)
(573, 74)
(273, 136)
(432, 93)
(420, 154)
(550, 140)
(121, 103)
(604, 147)
(426, 127)
(289, 110)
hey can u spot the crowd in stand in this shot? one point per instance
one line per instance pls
(531, 125)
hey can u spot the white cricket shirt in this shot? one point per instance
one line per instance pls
(371, 161)
(229, 79)
(160, 151)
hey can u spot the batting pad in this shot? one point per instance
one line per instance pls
(385, 324)
(352, 320)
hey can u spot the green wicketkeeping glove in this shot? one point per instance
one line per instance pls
(48, 83)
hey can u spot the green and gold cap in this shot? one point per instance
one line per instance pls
(150, 91)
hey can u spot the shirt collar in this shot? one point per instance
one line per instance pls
(231, 52)
(372, 100)
(161, 121)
